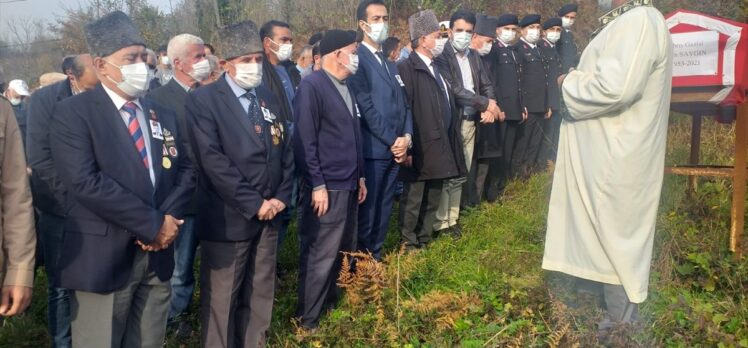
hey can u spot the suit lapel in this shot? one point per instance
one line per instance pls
(156, 144)
(120, 136)
(237, 110)
(379, 68)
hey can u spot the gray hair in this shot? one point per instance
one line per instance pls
(77, 68)
(177, 47)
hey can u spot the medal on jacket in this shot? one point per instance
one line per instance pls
(166, 163)
(275, 132)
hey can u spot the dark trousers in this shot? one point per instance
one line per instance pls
(547, 143)
(237, 285)
(418, 212)
(322, 241)
(471, 194)
(58, 307)
(512, 153)
(489, 178)
(527, 145)
(555, 132)
(183, 279)
(374, 213)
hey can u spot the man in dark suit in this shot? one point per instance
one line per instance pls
(468, 80)
(187, 55)
(47, 188)
(437, 152)
(551, 127)
(567, 45)
(246, 163)
(280, 76)
(386, 125)
(128, 182)
(534, 81)
(328, 155)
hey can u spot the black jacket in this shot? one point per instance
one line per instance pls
(567, 49)
(271, 81)
(172, 96)
(237, 169)
(504, 63)
(450, 68)
(437, 148)
(46, 185)
(553, 62)
(534, 77)
(111, 200)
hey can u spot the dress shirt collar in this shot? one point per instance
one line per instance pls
(118, 101)
(238, 91)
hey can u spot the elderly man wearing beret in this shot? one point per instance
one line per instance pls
(245, 160)
(121, 159)
(330, 160)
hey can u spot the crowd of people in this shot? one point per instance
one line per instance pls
(137, 157)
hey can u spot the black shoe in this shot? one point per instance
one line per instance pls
(180, 328)
(456, 231)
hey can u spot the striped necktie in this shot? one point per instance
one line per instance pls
(135, 132)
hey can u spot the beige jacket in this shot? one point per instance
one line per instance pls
(17, 237)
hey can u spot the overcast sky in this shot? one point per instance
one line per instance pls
(49, 9)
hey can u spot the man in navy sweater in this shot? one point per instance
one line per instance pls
(328, 154)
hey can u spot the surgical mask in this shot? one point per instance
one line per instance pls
(352, 65)
(605, 5)
(200, 70)
(507, 36)
(303, 71)
(533, 35)
(485, 49)
(553, 36)
(284, 51)
(15, 101)
(378, 32)
(461, 40)
(135, 78)
(248, 75)
(165, 60)
(567, 22)
(438, 47)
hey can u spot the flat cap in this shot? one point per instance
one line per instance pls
(486, 25)
(566, 9)
(553, 22)
(336, 39)
(529, 20)
(507, 19)
(422, 23)
(111, 33)
(238, 39)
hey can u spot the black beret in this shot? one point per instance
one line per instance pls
(568, 8)
(315, 38)
(553, 22)
(486, 25)
(507, 19)
(529, 19)
(336, 39)
(111, 33)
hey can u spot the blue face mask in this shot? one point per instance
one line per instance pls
(304, 71)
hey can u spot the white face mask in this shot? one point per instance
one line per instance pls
(248, 75)
(438, 47)
(533, 35)
(15, 101)
(200, 70)
(461, 41)
(303, 72)
(553, 36)
(352, 65)
(135, 79)
(567, 22)
(485, 49)
(378, 32)
(165, 60)
(507, 36)
(284, 51)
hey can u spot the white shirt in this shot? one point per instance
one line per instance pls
(373, 51)
(428, 60)
(466, 71)
(119, 102)
(525, 41)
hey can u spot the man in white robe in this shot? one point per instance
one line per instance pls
(610, 166)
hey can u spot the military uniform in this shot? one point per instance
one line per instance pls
(551, 126)
(534, 91)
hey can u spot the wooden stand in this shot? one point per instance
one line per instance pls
(696, 104)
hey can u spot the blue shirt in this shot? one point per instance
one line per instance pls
(240, 93)
(287, 85)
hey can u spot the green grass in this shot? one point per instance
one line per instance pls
(487, 288)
